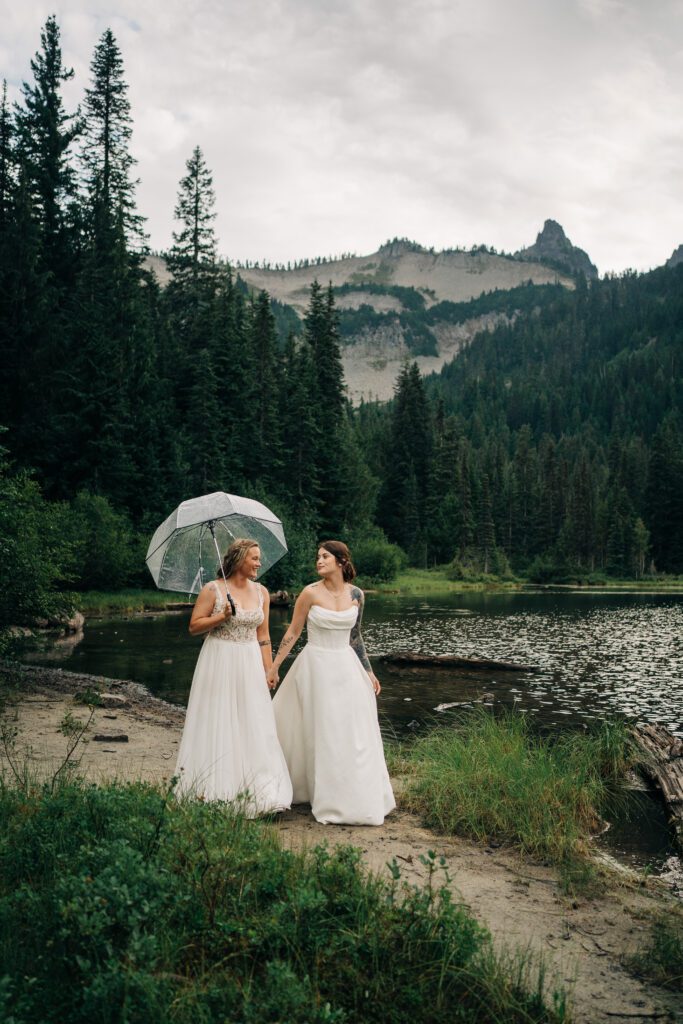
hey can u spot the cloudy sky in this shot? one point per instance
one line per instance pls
(332, 125)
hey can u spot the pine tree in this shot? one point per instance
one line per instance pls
(265, 436)
(408, 456)
(321, 338)
(192, 258)
(45, 134)
(105, 151)
(7, 162)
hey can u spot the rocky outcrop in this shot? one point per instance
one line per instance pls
(553, 248)
(675, 258)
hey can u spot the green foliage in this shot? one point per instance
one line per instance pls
(490, 778)
(375, 558)
(105, 553)
(662, 958)
(116, 904)
(475, 566)
(35, 555)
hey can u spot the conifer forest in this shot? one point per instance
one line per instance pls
(551, 447)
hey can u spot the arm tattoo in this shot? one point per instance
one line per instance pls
(263, 643)
(356, 640)
(284, 643)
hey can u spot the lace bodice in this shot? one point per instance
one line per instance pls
(241, 627)
(330, 630)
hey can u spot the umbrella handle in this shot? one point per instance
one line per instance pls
(220, 562)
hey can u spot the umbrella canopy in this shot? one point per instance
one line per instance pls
(186, 549)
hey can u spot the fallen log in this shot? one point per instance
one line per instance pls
(663, 764)
(453, 661)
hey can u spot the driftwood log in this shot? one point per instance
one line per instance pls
(664, 765)
(453, 661)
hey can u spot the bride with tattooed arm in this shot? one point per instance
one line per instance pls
(326, 709)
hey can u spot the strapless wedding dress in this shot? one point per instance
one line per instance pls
(326, 718)
(229, 748)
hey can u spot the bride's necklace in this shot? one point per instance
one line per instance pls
(335, 594)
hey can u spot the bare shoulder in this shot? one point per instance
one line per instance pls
(356, 593)
(265, 592)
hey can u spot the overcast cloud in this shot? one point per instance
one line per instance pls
(332, 125)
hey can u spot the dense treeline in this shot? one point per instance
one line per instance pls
(553, 441)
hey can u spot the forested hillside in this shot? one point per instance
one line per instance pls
(555, 441)
(552, 443)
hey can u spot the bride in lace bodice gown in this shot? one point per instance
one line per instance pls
(229, 748)
(326, 708)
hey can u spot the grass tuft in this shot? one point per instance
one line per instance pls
(489, 778)
(662, 959)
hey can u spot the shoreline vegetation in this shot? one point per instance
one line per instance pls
(406, 583)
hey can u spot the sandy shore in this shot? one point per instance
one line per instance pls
(584, 942)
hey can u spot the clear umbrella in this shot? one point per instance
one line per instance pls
(187, 550)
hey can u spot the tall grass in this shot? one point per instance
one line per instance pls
(118, 904)
(489, 777)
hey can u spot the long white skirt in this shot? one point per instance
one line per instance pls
(326, 716)
(229, 748)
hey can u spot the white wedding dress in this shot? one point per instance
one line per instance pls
(326, 717)
(229, 748)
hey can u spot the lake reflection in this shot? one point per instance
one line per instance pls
(594, 654)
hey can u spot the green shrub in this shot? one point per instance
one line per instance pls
(376, 559)
(105, 553)
(35, 551)
(118, 904)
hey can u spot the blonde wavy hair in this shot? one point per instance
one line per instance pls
(235, 555)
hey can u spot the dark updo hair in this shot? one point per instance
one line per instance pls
(343, 556)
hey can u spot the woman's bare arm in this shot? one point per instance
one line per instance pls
(263, 632)
(202, 618)
(301, 610)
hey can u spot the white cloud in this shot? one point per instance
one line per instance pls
(331, 125)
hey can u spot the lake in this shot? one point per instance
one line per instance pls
(593, 654)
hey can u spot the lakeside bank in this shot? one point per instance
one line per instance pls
(585, 939)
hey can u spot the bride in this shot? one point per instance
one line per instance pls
(325, 710)
(229, 748)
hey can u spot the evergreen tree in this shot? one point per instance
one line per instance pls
(265, 436)
(192, 258)
(106, 156)
(45, 134)
(402, 498)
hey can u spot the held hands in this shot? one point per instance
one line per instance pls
(375, 683)
(272, 677)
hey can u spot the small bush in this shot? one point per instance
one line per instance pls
(377, 560)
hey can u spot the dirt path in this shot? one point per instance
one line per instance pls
(583, 942)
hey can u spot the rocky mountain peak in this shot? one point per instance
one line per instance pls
(554, 248)
(399, 247)
(676, 257)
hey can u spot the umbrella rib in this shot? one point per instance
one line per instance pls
(175, 533)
